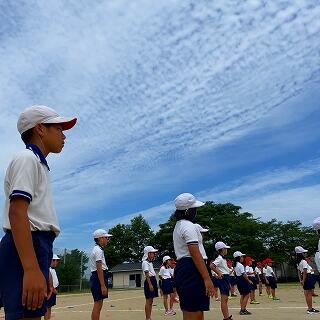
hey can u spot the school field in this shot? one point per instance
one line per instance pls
(129, 305)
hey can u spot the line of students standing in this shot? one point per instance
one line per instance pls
(192, 274)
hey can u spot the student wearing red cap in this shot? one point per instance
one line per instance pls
(251, 275)
(271, 279)
(259, 276)
(264, 270)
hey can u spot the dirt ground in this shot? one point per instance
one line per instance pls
(129, 305)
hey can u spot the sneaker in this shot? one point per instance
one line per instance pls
(254, 302)
(173, 312)
(244, 312)
(217, 299)
(312, 311)
(270, 296)
(261, 294)
(275, 298)
(233, 295)
(315, 295)
(168, 313)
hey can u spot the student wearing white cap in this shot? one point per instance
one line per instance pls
(30, 221)
(243, 282)
(150, 282)
(54, 283)
(306, 279)
(99, 272)
(220, 267)
(192, 279)
(165, 276)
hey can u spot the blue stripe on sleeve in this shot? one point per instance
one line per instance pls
(20, 193)
(193, 242)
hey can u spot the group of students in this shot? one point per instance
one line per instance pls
(31, 226)
(195, 283)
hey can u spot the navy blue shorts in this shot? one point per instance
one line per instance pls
(52, 301)
(147, 292)
(167, 287)
(95, 285)
(254, 283)
(190, 286)
(224, 285)
(309, 282)
(262, 279)
(173, 283)
(243, 286)
(233, 280)
(215, 281)
(272, 282)
(11, 273)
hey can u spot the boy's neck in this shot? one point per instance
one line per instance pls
(38, 142)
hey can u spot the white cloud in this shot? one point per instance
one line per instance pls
(152, 83)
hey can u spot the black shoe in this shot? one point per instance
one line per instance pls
(312, 311)
(244, 312)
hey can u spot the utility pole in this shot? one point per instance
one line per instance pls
(81, 261)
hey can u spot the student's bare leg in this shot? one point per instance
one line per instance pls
(273, 292)
(233, 289)
(198, 315)
(244, 301)
(165, 302)
(97, 306)
(171, 300)
(47, 316)
(260, 287)
(148, 308)
(308, 296)
(224, 306)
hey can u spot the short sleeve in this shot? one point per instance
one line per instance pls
(145, 266)
(217, 261)
(304, 264)
(98, 254)
(190, 234)
(161, 271)
(23, 177)
(241, 269)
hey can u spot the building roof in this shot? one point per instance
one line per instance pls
(133, 266)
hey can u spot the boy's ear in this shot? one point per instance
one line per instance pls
(39, 129)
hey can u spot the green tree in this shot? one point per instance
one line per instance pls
(128, 241)
(70, 267)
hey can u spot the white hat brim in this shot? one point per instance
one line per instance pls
(67, 123)
(197, 204)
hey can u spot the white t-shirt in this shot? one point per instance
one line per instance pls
(249, 271)
(97, 254)
(148, 266)
(222, 265)
(55, 280)
(264, 271)
(257, 270)
(317, 260)
(269, 271)
(28, 176)
(165, 273)
(184, 234)
(239, 269)
(304, 265)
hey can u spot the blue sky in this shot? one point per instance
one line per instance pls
(218, 98)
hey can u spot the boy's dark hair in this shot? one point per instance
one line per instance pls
(299, 257)
(27, 135)
(237, 259)
(220, 251)
(188, 214)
